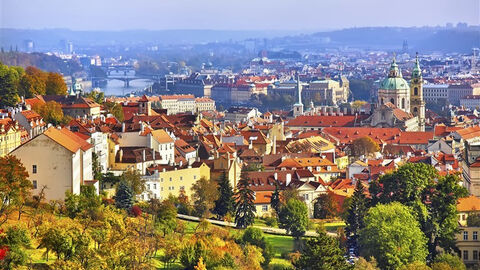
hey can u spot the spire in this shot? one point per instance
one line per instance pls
(299, 89)
(417, 71)
(394, 70)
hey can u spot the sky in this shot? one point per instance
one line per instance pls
(233, 14)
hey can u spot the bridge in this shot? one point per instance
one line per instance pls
(118, 69)
(128, 78)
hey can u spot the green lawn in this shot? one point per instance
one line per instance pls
(333, 226)
(281, 243)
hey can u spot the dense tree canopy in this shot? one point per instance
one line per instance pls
(293, 217)
(205, 193)
(364, 146)
(392, 236)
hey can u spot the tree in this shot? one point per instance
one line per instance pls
(364, 146)
(450, 260)
(87, 200)
(321, 253)
(362, 264)
(357, 104)
(225, 203)
(166, 216)
(392, 236)
(124, 195)
(293, 217)
(55, 85)
(254, 236)
(115, 109)
(356, 213)
(414, 266)
(14, 185)
(97, 96)
(51, 112)
(275, 199)
(134, 180)
(325, 207)
(15, 240)
(473, 220)
(244, 206)
(205, 193)
(33, 82)
(8, 86)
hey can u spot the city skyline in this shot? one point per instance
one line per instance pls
(245, 15)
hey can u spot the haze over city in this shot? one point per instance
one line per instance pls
(299, 15)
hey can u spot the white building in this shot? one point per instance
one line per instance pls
(204, 104)
(178, 103)
(432, 93)
(471, 102)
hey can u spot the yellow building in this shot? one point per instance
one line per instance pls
(469, 245)
(165, 180)
(10, 136)
(466, 206)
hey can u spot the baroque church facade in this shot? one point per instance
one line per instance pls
(400, 104)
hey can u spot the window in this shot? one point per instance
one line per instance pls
(465, 235)
(415, 91)
(475, 255)
(154, 186)
(194, 177)
(392, 101)
(161, 179)
(475, 236)
(181, 177)
(403, 103)
(465, 255)
(148, 186)
(34, 183)
(182, 187)
(265, 207)
(305, 196)
(34, 169)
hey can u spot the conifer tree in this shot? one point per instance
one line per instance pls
(244, 207)
(225, 203)
(275, 199)
(356, 213)
(124, 196)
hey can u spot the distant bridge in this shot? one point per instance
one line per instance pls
(127, 79)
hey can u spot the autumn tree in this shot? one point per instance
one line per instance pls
(97, 96)
(115, 109)
(134, 180)
(55, 85)
(33, 82)
(364, 146)
(293, 217)
(321, 253)
(225, 203)
(255, 236)
(51, 112)
(14, 186)
(362, 264)
(392, 236)
(16, 240)
(244, 206)
(205, 193)
(325, 207)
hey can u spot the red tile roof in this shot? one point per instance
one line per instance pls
(326, 120)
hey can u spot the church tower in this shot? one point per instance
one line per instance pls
(298, 107)
(394, 89)
(417, 105)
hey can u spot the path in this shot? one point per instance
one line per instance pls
(269, 230)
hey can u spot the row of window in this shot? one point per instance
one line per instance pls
(474, 255)
(474, 236)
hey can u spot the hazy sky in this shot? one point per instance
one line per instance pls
(232, 14)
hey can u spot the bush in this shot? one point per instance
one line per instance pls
(136, 211)
(271, 221)
(278, 266)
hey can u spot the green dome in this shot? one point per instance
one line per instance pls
(395, 83)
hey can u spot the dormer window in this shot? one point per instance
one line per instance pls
(318, 168)
(329, 168)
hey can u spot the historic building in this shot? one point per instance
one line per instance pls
(400, 104)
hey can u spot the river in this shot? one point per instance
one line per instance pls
(116, 87)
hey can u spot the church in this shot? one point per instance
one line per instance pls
(400, 104)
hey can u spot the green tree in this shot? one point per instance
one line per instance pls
(321, 253)
(55, 85)
(451, 260)
(14, 186)
(293, 217)
(225, 203)
(473, 220)
(115, 109)
(87, 200)
(392, 236)
(254, 236)
(414, 266)
(8, 86)
(124, 196)
(325, 207)
(166, 217)
(244, 206)
(205, 193)
(51, 112)
(16, 240)
(356, 213)
(97, 96)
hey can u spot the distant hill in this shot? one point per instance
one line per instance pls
(42, 61)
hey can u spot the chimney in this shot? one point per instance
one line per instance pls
(123, 127)
(250, 145)
(142, 129)
(288, 179)
(153, 155)
(275, 175)
(143, 155)
(181, 163)
(120, 154)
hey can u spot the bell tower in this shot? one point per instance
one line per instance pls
(417, 105)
